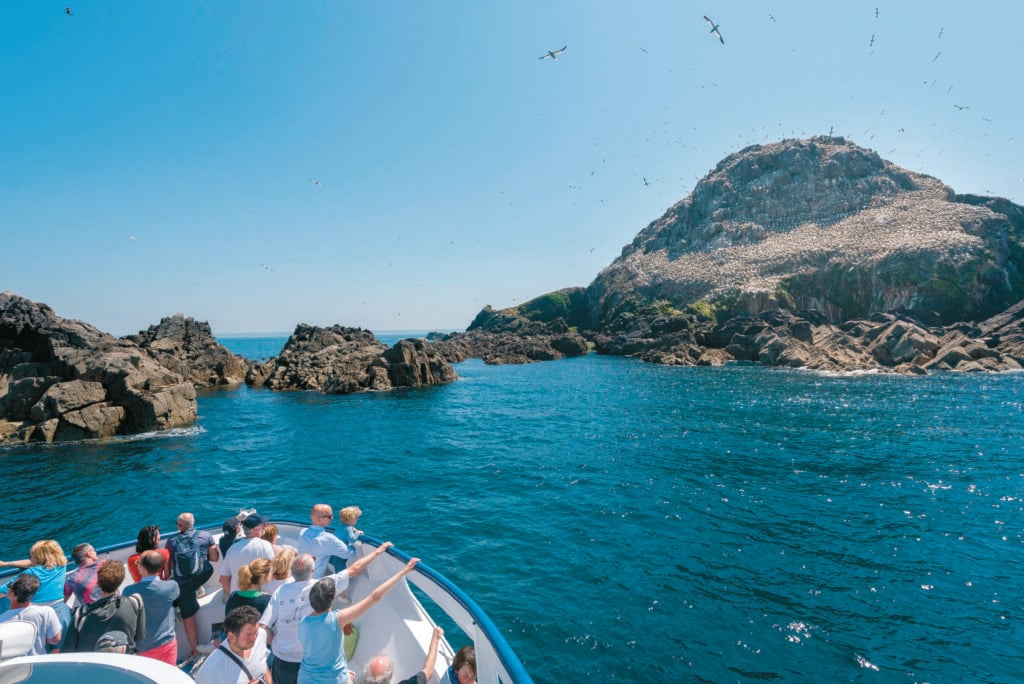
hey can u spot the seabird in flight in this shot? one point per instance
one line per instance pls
(714, 28)
(553, 54)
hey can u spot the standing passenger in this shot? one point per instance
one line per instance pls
(322, 633)
(110, 611)
(243, 552)
(158, 596)
(290, 603)
(243, 659)
(149, 538)
(321, 544)
(43, 617)
(82, 582)
(47, 562)
(190, 550)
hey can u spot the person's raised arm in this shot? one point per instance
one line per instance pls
(349, 614)
(358, 566)
(431, 661)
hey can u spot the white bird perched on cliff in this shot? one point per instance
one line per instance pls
(553, 54)
(714, 28)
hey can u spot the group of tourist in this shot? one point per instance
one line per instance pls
(280, 626)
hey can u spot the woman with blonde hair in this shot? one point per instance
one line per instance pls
(46, 560)
(251, 580)
(281, 570)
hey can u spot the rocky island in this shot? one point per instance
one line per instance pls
(811, 254)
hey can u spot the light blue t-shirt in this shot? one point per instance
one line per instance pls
(51, 583)
(321, 545)
(323, 658)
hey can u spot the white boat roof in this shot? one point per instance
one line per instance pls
(85, 668)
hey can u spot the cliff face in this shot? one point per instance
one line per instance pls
(542, 329)
(188, 347)
(62, 379)
(823, 225)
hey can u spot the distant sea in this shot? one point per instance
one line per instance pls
(625, 521)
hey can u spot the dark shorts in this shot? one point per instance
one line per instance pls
(187, 602)
(284, 672)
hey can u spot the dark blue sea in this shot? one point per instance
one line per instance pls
(625, 521)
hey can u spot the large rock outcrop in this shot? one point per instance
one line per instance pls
(825, 225)
(542, 329)
(808, 253)
(340, 360)
(188, 347)
(61, 379)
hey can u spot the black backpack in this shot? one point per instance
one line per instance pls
(188, 557)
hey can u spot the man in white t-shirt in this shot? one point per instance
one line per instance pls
(243, 658)
(244, 551)
(290, 603)
(44, 618)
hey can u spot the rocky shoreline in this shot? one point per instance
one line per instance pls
(64, 380)
(813, 254)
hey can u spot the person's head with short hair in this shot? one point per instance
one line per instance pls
(47, 552)
(151, 562)
(270, 533)
(242, 626)
(281, 566)
(186, 521)
(254, 575)
(380, 670)
(464, 665)
(350, 514)
(114, 641)
(83, 553)
(149, 538)
(321, 515)
(322, 594)
(24, 587)
(302, 567)
(109, 576)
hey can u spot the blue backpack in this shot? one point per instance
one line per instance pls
(188, 557)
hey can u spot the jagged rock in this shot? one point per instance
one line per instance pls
(340, 360)
(63, 379)
(538, 330)
(258, 372)
(415, 362)
(188, 347)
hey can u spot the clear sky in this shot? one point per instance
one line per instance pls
(160, 157)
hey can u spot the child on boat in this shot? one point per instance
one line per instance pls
(349, 534)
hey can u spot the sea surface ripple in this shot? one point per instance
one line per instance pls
(625, 521)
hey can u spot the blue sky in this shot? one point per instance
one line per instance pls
(161, 157)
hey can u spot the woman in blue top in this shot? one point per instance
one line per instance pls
(321, 634)
(46, 560)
